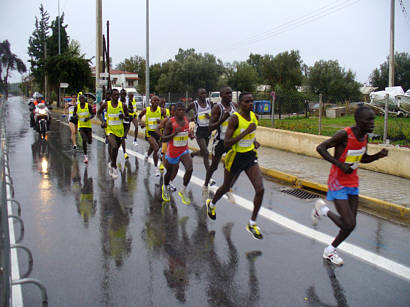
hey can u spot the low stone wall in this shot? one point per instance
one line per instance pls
(396, 163)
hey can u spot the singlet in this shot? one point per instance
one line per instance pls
(246, 143)
(152, 119)
(83, 113)
(353, 153)
(71, 111)
(200, 118)
(124, 121)
(114, 122)
(132, 107)
(179, 143)
(220, 134)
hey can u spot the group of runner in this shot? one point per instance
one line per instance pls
(235, 136)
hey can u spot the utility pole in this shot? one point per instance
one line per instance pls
(147, 55)
(391, 57)
(98, 56)
(45, 74)
(320, 113)
(59, 39)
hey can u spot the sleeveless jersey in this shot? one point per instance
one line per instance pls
(352, 154)
(179, 143)
(83, 113)
(132, 107)
(200, 114)
(246, 143)
(70, 112)
(220, 135)
(152, 118)
(114, 122)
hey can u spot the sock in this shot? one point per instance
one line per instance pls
(324, 210)
(330, 249)
(252, 223)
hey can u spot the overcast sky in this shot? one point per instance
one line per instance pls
(354, 32)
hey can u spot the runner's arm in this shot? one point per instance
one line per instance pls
(370, 158)
(167, 135)
(91, 111)
(232, 125)
(338, 140)
(100, 111)
(214, 122)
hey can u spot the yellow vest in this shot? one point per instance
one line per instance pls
(134, 108)
(151, 119)
(83, 113)
(246, 143)
(114, 122)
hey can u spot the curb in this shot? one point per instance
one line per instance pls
(369, 204)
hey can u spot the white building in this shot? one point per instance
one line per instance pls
(122, 79)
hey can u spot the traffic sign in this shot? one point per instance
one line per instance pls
(103, 74)
(63, 85)
(102, 82)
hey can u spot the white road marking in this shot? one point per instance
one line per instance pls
(354, 250)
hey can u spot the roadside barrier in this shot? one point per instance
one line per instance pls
(10, 277)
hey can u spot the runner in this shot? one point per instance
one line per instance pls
(132, 111)
(126, 122)
(116, 112)
(153, 115)
(219, 120)
(202, 108)
(350, 146)
(83, 112)
(160, 130)
(240, 134)
(104, 115)
(72, 122)
(177, 132)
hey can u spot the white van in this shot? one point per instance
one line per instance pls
(215, 97)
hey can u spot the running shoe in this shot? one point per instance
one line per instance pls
(230, 197)
(172, 188)
(210, 210)
(135, 143)
(212, 182)
(85, 159)
(114, 172)
(126, 156)
(184, 198)
(161, 167)
(165, 194)
(333, 257)
(255, 231)
(157, 173)
(74, 147)
(317, 212)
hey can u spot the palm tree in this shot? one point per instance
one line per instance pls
(8, 62)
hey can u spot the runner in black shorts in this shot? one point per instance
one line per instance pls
(126, 123)
(83, 112)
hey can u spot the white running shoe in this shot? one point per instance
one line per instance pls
(157, 173)
(332, 257)
(135, 143)
(212, 182)
(172, 188)
(317, 212)
(114, 173)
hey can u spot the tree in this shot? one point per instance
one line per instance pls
(285, 69)
(380, 76)
(256, 61)
(8, 62)
(37, 47)
(52, 41)
(332, 81)
(135, 64)
(242, 77)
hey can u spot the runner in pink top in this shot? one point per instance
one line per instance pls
(350, 146)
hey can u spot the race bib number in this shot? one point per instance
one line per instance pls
(181, 139)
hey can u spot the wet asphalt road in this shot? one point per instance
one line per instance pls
(99, 242)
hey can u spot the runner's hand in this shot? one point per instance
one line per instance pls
(257, 144)
(104, 125)
(382, 153)
(225, 116)
(251, 128)
(345, 167)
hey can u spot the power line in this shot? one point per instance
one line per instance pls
(292, 24)
(404, 11)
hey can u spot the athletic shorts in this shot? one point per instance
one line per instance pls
(343, 193)
(218, 148)
(155, 135)
(176, 159)
(74, 121)
(236, 162)
(118, 139)
(88, 132)
(203, 133)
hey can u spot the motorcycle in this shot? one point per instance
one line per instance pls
(42, 120)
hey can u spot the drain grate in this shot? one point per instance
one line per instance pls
(300, 193)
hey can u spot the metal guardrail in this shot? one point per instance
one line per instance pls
(8, 278)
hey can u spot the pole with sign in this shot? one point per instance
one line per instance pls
(62, 86)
